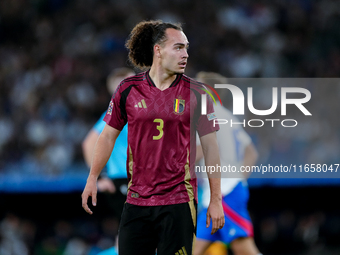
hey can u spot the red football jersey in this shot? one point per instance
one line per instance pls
(162, 129)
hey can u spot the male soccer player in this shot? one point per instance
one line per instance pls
(236, 149)
(163, 115)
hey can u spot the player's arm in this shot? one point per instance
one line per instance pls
(105, 184)
(101, 155)
(199, 150)
(211, 156)
(250, 157)
(199, 153)
(88, 145)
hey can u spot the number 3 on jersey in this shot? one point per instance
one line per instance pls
(160, 129)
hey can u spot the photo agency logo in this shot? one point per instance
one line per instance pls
(239, 105)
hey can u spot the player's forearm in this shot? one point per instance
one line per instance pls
(212, 160)
(215, 190)
(101, 155)
(87, 157)
(88, 146)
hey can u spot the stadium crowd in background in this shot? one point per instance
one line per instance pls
(310, 232)
(55, 56)
(54, 60)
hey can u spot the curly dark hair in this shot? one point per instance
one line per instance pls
(142, 39)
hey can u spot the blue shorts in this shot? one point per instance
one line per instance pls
(237, 220)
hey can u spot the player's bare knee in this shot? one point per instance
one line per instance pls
(200, 247)
(244, 246)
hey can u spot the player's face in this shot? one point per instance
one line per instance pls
(174, 51)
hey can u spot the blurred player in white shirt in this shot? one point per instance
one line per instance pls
(236, 149)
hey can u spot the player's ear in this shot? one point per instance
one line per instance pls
(157, 50)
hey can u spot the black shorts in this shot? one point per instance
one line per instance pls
(171, 229)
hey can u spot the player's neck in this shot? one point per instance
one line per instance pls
(161, 79)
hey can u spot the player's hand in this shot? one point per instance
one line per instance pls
(90, 190)
(216, 215)
(106, 185)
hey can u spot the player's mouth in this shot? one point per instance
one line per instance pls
(182, 64)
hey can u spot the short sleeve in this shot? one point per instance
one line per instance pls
(116, 112)
(205, 123)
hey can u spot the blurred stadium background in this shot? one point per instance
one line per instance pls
(54, 59)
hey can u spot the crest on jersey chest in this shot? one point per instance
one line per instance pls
(179, 105)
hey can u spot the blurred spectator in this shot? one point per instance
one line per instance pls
(11, 237)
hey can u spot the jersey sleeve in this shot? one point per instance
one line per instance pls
(115, 114)
(205, 123)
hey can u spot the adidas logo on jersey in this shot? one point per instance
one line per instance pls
(141, 104)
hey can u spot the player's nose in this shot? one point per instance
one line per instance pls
(185, 54)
